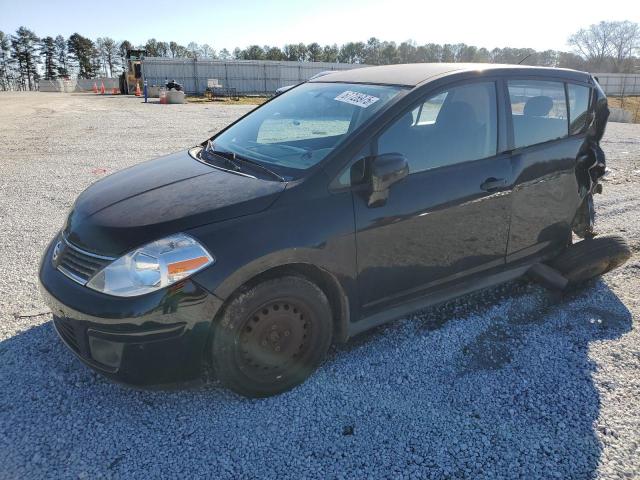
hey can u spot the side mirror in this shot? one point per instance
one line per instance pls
(386, 170)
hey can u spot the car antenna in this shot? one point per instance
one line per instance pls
(520, 62)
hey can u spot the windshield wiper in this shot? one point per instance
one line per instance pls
(261, 167)
(231, 159)
(228, 157)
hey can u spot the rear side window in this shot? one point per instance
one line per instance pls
(578, 107)
(451, 127)
(539, 111)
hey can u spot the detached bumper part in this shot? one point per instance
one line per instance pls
(547, 276)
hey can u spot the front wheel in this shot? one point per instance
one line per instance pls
(272, 337)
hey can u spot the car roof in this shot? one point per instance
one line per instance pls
(413, 74)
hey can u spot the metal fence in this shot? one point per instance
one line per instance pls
(86, 85)
(619, 84)
(263, 77)
(78, 85)
(248, 77)
(57, 85)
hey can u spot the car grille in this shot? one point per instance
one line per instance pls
(78, 264)
(67, 332)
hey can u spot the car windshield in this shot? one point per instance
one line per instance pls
(302, 126)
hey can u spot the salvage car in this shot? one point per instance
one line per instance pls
(343, 203)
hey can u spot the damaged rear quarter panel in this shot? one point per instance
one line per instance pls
(591, 163)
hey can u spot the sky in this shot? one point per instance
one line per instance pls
(539, 24)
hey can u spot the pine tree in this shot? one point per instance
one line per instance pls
(125, 46)
(25, 55)
(48, 50)
(62, 59)
(5, 76)
(83, 52)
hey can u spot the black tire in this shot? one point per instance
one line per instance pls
(272, 337)
(591, 257)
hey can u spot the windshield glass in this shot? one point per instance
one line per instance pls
(302, 126)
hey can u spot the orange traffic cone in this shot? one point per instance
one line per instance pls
(95, 87)
(102, 88)
(138, 93)
(114, 91)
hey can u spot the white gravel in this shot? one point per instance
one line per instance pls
(510, 383)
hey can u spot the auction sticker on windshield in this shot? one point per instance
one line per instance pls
(356, 98)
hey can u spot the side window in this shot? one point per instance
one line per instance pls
(578, 107)
(451, 127)
(539, 111)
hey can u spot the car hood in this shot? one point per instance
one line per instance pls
(160, 197)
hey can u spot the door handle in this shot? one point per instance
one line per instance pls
(492, 184)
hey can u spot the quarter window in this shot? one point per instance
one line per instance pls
(428, 111)
(451, 127)
(578, 107)
(539, 111)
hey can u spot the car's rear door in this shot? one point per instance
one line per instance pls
(449, 218)
(545, 193)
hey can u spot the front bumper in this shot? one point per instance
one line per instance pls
(154, 339)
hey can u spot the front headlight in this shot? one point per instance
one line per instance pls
(154, 266)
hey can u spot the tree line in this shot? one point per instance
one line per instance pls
(25, 58)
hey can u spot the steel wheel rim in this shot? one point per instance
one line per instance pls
(274, 341)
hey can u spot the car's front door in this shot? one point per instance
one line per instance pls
(450, 216)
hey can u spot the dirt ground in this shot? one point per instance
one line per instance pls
(632, 104)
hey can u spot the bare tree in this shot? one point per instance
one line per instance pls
(194, 50)
(101, 56)
(109, 53)
(594, 43)
(607, 45)
(207, 51)
(625, 41)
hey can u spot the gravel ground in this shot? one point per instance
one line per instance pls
(510, 383)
